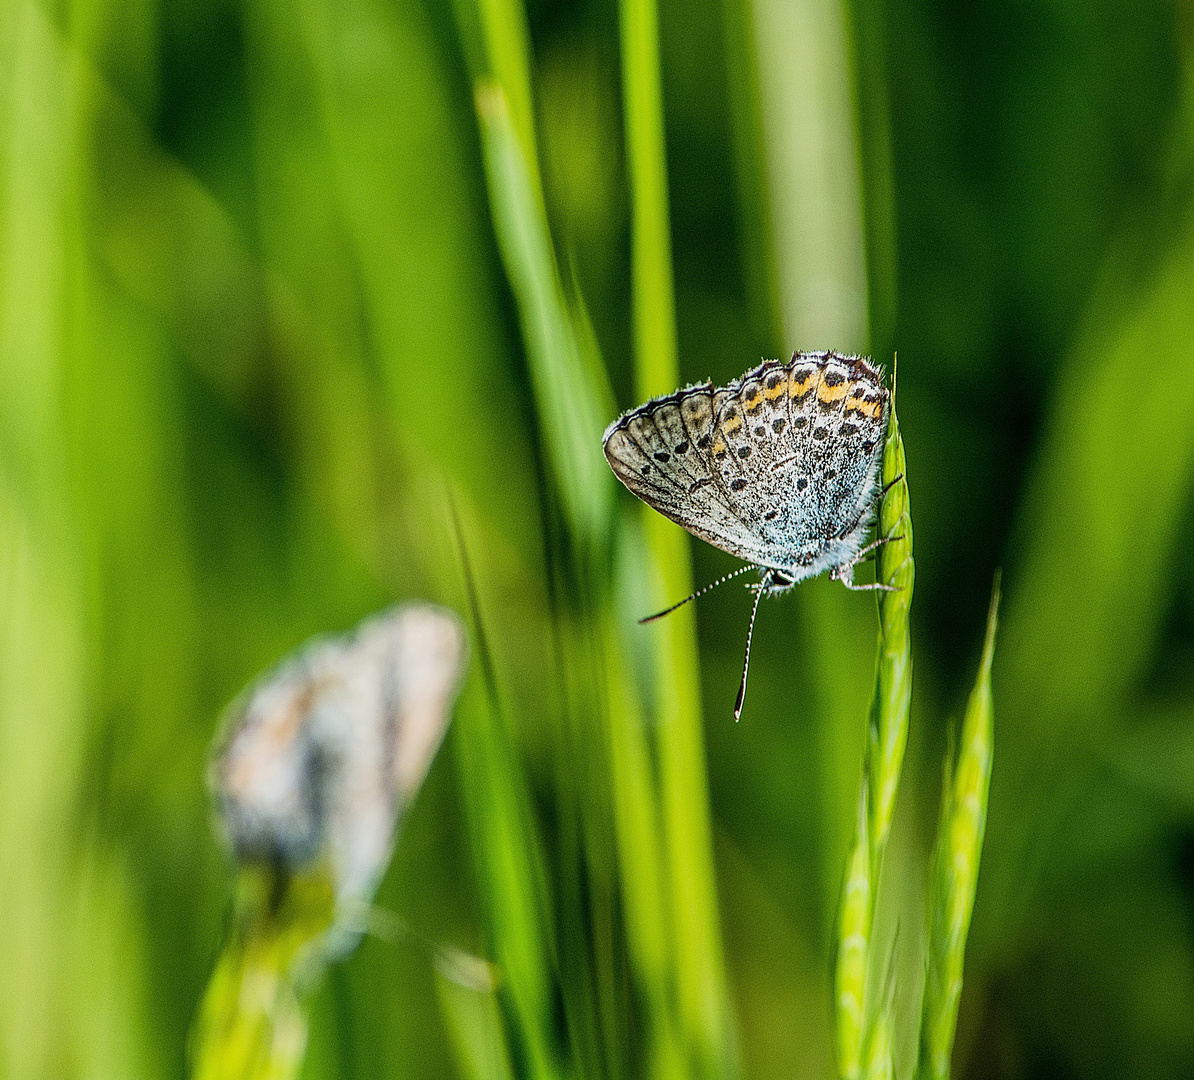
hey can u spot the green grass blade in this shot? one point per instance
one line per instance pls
(700, 981)
(656, 368)
(880, 1050)
(475, 1027)
(806, 84)
(641, 858)
(806, 92)
(506, 853)
(566, 404)
(507, 48)
(959, 847)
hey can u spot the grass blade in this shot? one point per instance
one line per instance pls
(512, 879)
(565, 403)
(700, 980)
(251, 1024)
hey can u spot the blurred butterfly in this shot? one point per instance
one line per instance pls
(321, 755)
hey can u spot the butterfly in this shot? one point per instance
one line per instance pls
(320, 756)
(779, 467)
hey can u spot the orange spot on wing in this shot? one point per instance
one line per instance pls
(829, 394)
(776, 391)
(801, 384)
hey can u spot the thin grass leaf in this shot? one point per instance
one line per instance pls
(959, 847)
(508, 50)
(700, 979)
(475, 1028)
(509, 865)
(806, 90)
(565, 402)
(814, 189)
(855, 922)
(636, 821)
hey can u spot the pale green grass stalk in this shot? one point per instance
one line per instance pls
(887, 736)
(855, 923)
(815, 211)
(700, 980)
(959, 847)
(642, 862)
(507, 859)
(251, 1024)
(475, 1028)
(663, 837)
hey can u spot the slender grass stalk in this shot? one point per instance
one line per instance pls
(636, 820)
(816, 214)
(700, 980)
(855, 919)
(806, 90)
(508, 51)
(887, 736)
(507, 857)
(959, 847)
(673, 938)
(566, 401)
(251, 1024)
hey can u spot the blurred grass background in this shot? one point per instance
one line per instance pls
(257, 324)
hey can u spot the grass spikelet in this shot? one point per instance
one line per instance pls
(887, 736)
(959, 846)
(888, 728)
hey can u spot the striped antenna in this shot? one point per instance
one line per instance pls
(746, 663)
(699, 592)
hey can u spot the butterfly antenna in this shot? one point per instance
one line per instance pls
(699, 592)
(746, 663)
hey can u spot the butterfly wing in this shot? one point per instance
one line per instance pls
(772, 467)
(669, 453)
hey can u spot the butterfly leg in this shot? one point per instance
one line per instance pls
(889, 485)
(873, 546)
(845, 574)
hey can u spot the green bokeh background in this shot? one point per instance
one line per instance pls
(254, 328)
